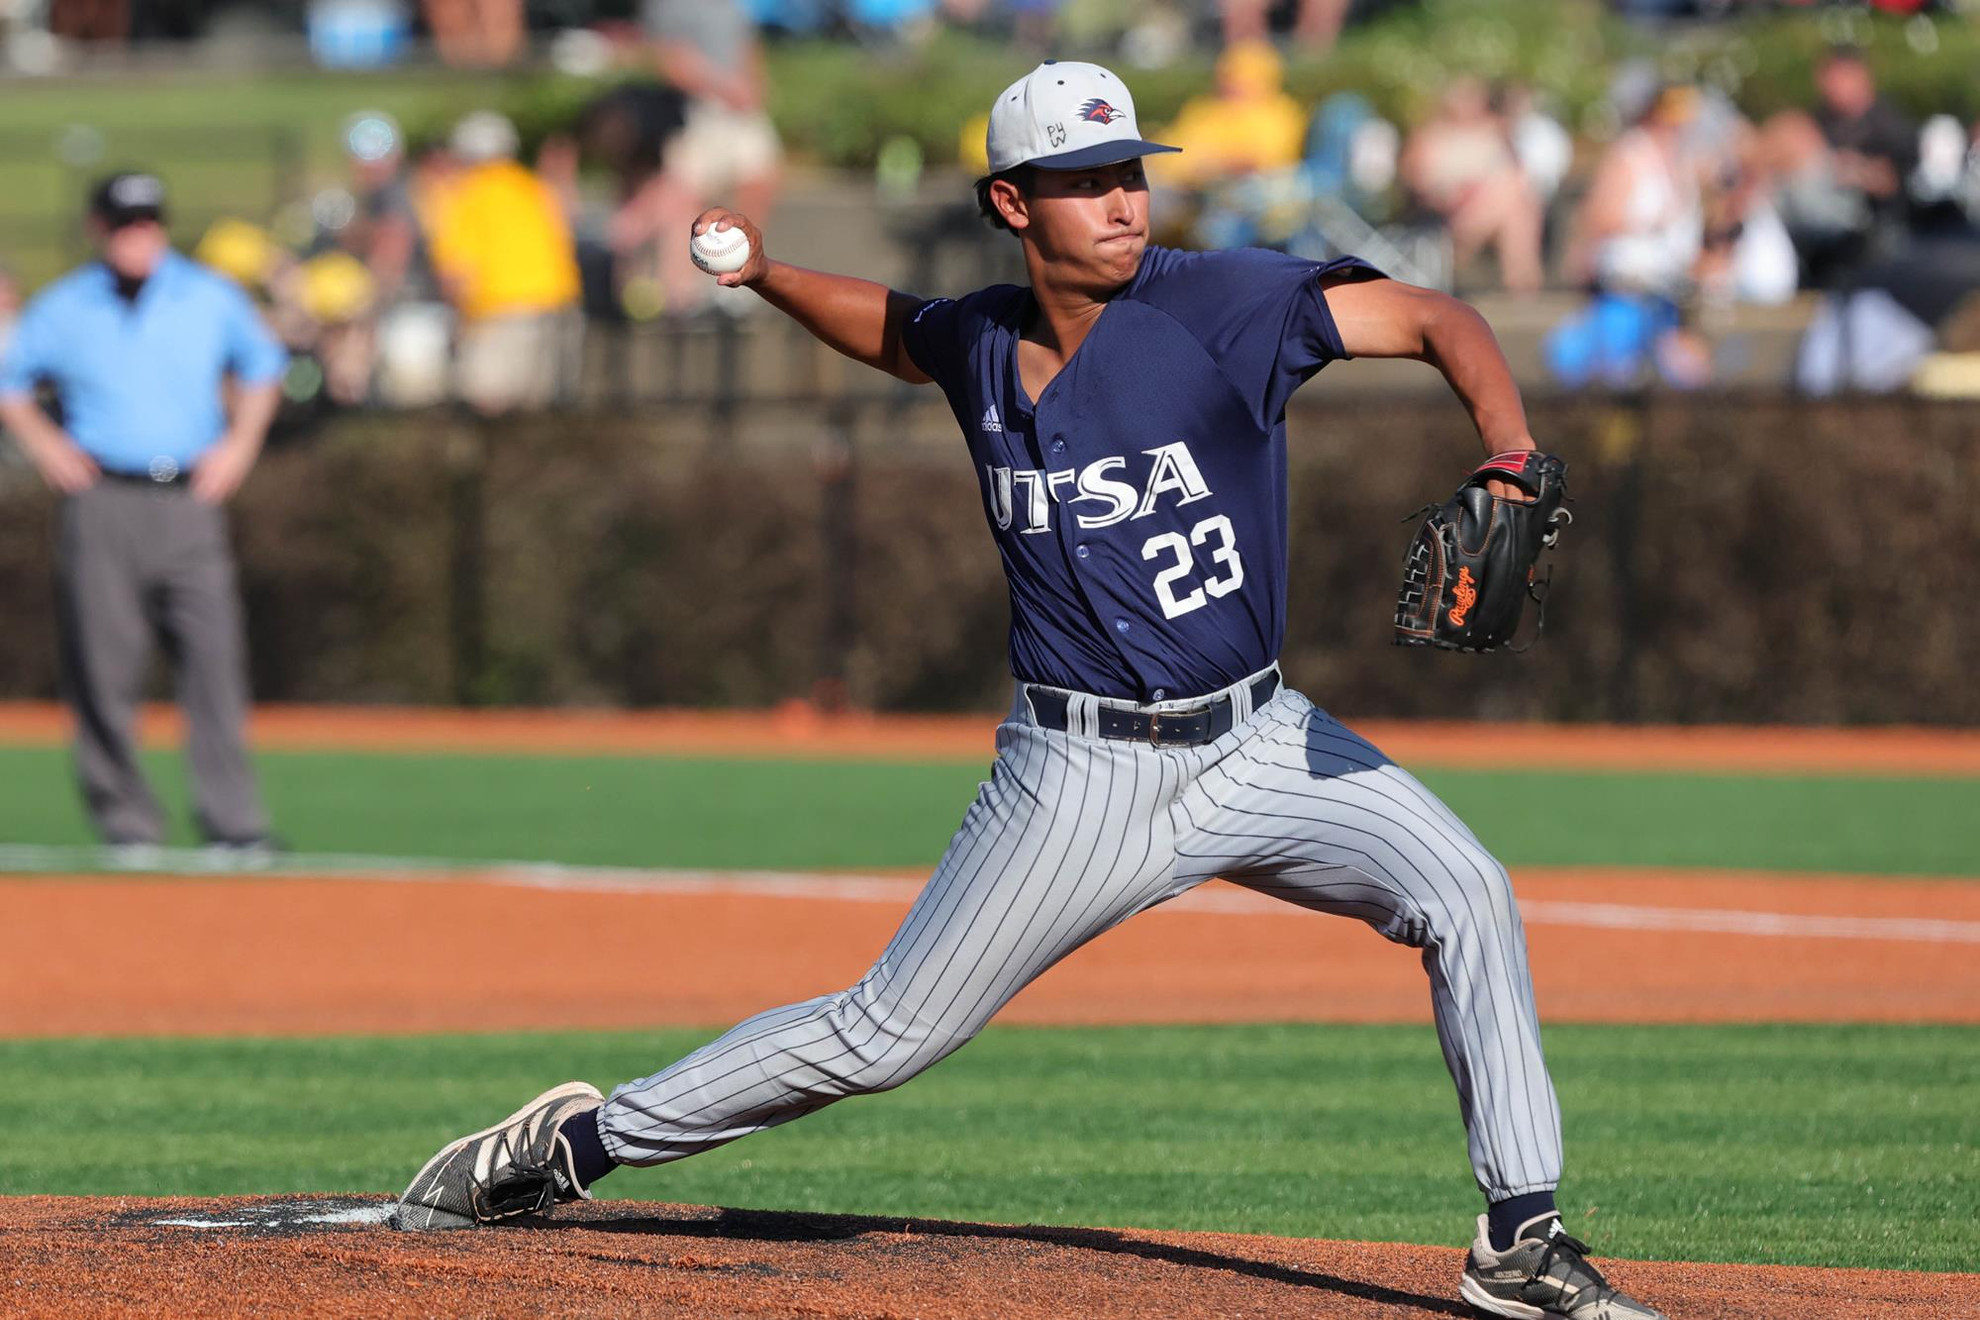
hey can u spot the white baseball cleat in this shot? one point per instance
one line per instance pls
(520, 1166)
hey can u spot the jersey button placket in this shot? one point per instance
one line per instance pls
(1054, 449)
(1058, 450)
(1055, 453)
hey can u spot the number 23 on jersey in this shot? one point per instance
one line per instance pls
(1214, 536)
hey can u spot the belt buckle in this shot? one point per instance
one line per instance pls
(1155, 726)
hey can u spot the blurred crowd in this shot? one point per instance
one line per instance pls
(1689, 208)
(498, 33)
(463, 267)
(443, 272)
(1695, 208)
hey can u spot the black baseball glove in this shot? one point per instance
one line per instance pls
(1470, 570)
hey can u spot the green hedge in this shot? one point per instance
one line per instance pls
(1733, 559)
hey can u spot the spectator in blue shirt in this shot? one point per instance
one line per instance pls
(166, 381)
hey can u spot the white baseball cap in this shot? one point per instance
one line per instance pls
(1065, 116)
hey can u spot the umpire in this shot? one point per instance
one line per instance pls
(167, 381)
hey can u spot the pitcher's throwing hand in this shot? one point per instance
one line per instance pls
(705, 245)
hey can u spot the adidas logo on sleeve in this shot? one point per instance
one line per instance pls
(991, 423)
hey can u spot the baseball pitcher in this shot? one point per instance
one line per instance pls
(1124, 414)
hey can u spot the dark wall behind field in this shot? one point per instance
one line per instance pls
(1733, 559)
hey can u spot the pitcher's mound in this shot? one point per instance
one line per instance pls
(321, 1254)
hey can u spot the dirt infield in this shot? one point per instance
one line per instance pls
(797, 730)
(283, 955)
(113, 1256)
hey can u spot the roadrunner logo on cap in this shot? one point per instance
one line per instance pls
(1065, 116)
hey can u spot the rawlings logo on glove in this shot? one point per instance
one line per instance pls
(1466, 594)
(1470, 569)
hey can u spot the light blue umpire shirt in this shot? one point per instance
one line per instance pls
(140, 381)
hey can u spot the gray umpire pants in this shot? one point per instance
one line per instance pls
(1073, 835)
(134, 563)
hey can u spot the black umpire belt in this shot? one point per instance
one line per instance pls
(1190, 727)
(164, 474)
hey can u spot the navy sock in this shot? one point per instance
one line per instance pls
(1503, 1218)
(588, 1158)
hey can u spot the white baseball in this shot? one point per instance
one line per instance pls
(720, 251)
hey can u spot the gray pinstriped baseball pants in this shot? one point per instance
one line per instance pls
(1072, 836)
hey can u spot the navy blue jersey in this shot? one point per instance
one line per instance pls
(1140, 503)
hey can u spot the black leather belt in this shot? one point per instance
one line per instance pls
(175, 477)
(1173, 728)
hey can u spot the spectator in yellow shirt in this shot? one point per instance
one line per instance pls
(502, 246)
(1247, 125)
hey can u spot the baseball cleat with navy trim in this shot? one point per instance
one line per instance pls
(1545, 1272)
(520, 1166)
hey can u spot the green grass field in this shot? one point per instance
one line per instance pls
(1813, 1145)
(1845, 1145)
(660, 811)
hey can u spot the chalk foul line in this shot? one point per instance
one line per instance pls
(853, 888)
